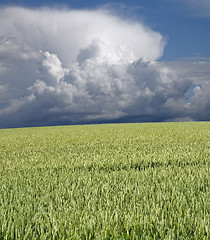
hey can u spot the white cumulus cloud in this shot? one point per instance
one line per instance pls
(71, 66)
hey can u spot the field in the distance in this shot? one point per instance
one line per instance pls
(120, 181)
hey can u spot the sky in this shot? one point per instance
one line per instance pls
(80, 62)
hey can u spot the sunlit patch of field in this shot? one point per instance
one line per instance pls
(116, 181)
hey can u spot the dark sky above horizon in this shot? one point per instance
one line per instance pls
(73, 62)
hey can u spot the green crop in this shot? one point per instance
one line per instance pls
(115, 181)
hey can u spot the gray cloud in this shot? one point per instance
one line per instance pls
(198, 72)
(68, 67)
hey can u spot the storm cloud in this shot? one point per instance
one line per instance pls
(88, 66)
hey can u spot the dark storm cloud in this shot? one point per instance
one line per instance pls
(70, 67)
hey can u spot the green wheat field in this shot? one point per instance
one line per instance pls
(114, 181)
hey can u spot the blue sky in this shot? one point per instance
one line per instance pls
(72, 62)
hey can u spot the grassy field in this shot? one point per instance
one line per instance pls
(120, 181)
